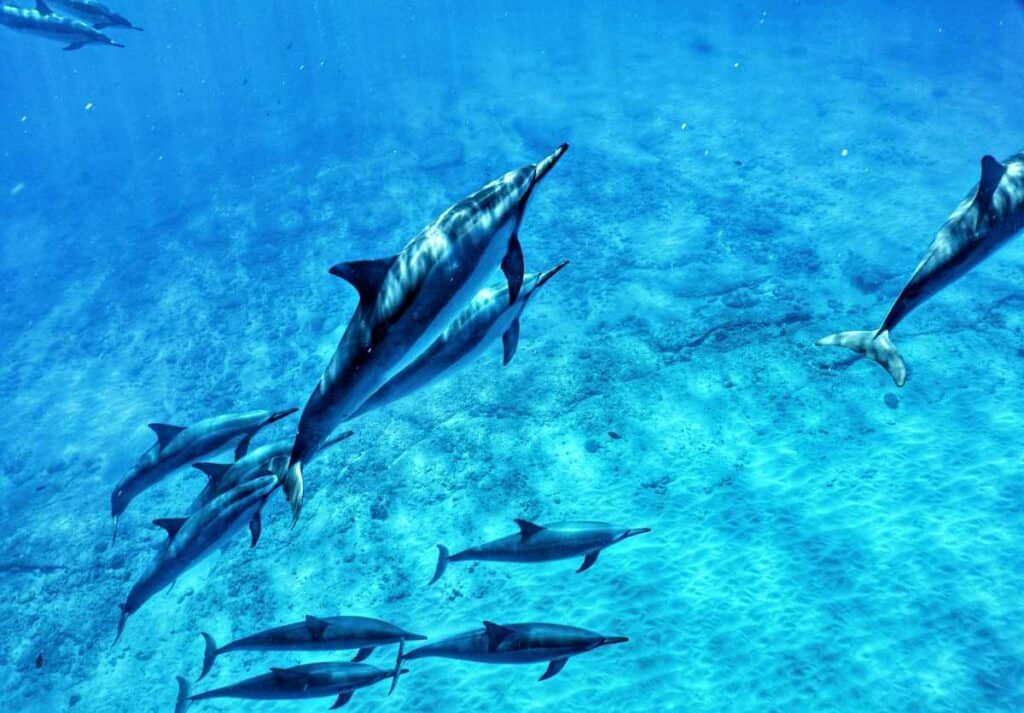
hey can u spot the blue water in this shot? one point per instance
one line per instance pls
(742, 180)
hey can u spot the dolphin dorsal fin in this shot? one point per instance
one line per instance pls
(43, 8)
(527, 528)
(165, 432)
(366, 276)
(992, 173)
(316, 627)
(509, 342)
(287, 674)
(213, 471)
(171, 524)
(496, 633)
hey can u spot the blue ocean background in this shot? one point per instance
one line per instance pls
(743, 179)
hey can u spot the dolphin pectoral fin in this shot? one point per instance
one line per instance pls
(184, 696)
(316, 627)
(509, 341)
(343, 698)
(553, 668)
(366, 276)
(362, 654)
(874, 345)
(212, 471)
(171, 524)
(74, 46)
(398, 666)
(209, 654)
(243, 447)
(43, 9)
(513, 267)
(992, 173)
(165, 432)
(255, 528)
(588, 561)
(442, 564)
(496, 633)
(527, 528)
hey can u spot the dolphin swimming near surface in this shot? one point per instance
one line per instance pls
(405, 301)
(44, 22)
(990, 215)
(177, 446)
(518, 643)
(95, 13)
(190, 540)
(543, 543)
(312, 680)
(317, 634)
(487, 317)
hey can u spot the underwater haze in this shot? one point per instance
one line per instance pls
(743, 178)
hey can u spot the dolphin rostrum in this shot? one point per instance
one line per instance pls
(487, 317)
(518, 643)
(95, 13)
(317, 634)
(543, 543)
(44, 22)
(177, 446)
(312, 680)
(406, 300)
(191, 539)
(986, 219)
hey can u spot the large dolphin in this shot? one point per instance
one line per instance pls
(44, 22)
(317, 634)
(191, 539)
(991, 214)
(311, 680)
(543, 543)
(177, 446)
(518, 643)
(406, 300)
(95, 13)
(487, 317)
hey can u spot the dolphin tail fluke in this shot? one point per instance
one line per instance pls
(442, 564)
(293, 489)
(874, 345)
(209, 654)
(184, 696)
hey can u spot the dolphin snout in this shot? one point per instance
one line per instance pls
(614, 640)
(546, 164)
(409, 636)
(636, 531)
(545, 276)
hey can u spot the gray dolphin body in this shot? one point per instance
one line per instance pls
(543, 543)
(518, 644)
(313, 680)
(95, 13)
(405, 302)
(487, 317)
(44, 22)
(316, 634)
(178, 446)
(190, 540)
(990, 215)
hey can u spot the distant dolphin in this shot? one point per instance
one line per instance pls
(487, 317)
(543, 543)
(518, 643)
(317, 634)
(311, 680)
(177, 446)
(191, 539)
(991, 214)
(43, 22)
(405, 302)
(95, 13)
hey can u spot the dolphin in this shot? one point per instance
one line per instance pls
(543, 543)
(489, 315)
(986, 219)
(44, 22)
(95, 13)
(191, 539)
(312, 680)
(177, 446)
(406, 300)
(317, 634)
(518, 643)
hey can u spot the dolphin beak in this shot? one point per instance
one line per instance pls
(546, 164)
(545, 276)
(409, 636)
(637, 531)
(614, 640)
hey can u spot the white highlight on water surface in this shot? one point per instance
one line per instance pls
(18, 188)
(88, 106)
(844, 153)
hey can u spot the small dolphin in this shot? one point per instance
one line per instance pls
(191, 539)
(312, 680)
(95, 13)
(405, 302)
(179, 445)
(43, 22)
(489, 315)
(543, 543)
(518, 643)
(990, 215)
(317, 634)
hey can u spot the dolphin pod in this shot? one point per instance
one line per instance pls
(44, 22)
(986, 219)
(543, 543)
(406, 301)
